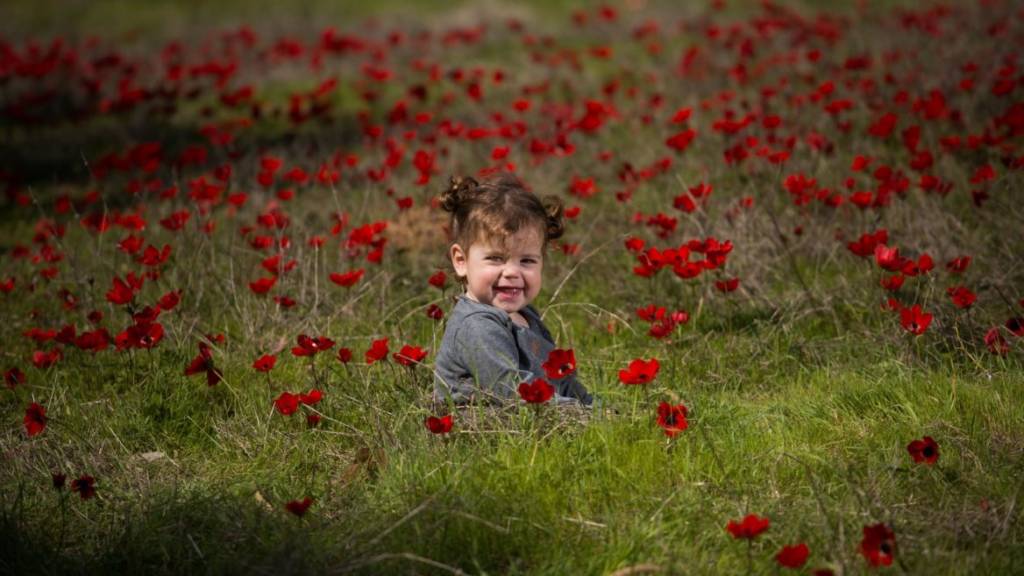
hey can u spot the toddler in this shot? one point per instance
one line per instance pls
(495, 339)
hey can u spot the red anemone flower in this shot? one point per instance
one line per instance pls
(287, 403)
(434, 312)
(310, 398)
(749, 528)
(265, 363)
(13, 377)
(1016, 326)
(536, 392)
(893, 283)
(727, 285)
(560, 363)
(640, 371)
(878, 545)
(888, 258)
(85, 485)
(924, 450)
(961, 296)
(299, 507)
(672, 418)
(170, 300)
(442, 425)
(378, 351)
(793, 556)
(120, 292)
(310, 345)
(348, 279)
(995, 342)
(263, 285)
(914, 320)
(203, 362)
(409, 355)
(35, 419)
(43, 360)
(438, 280)
(958, 265)
(344, 355)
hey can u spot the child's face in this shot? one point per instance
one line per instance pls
(504, 276)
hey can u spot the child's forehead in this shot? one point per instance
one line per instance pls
(527, 239)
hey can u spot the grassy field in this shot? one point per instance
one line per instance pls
(806, 386)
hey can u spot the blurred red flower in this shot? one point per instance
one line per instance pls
(263, 285)
(878, 545)
(299, 507)
(409, 355)
(961, 296)
(536, 392)
(35, 419)
(793, 556)
(287, 403)
(85, 485)
(310, 346)
(924, 450)
(434, 312)
(348, 279)
(438, 280)
(640, 371)
(265, 363)
(442, 425)
(995, 342)
(749, 528)
(13, 377)
(378, 351)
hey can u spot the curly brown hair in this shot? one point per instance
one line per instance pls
(498, 207)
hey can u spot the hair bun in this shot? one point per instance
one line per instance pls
(555, 217)
(460, 188)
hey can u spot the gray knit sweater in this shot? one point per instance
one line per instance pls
(484, 356)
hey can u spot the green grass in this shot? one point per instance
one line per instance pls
(817, 447)
(803, 391)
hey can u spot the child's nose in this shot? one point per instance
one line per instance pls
(511, 270)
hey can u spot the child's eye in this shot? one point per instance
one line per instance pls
(494, 258)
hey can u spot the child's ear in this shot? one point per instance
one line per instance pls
(459, 260)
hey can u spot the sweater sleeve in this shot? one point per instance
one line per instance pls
(488, 349)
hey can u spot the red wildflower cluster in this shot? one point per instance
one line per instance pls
(287, 403)
(663, 323)
(679, 259)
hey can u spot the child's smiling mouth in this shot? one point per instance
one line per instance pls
(508, 291)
